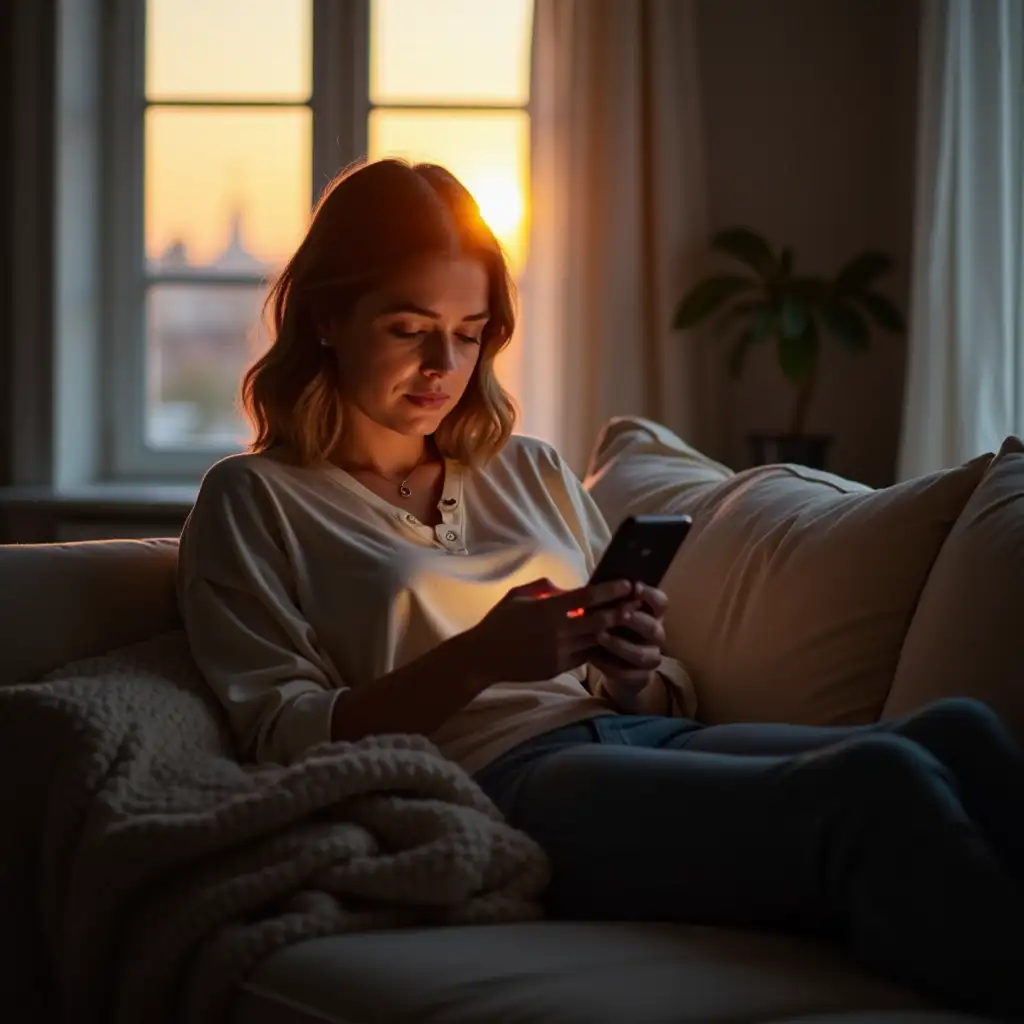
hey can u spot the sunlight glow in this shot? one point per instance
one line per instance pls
(488, 150)
(501, 202)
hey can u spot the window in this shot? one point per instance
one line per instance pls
(450, 84)
(243, 110)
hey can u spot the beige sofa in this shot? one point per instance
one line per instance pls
(798, 596)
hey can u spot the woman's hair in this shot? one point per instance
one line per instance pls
(372, 222)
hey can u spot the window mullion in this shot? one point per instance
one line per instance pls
(341, 86)
(124, 205)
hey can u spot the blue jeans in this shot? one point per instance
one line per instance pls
(903, 840)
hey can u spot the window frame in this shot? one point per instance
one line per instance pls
(340, 106)
(341, 109)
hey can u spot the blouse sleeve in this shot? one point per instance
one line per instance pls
(245, 629)
(593, 534)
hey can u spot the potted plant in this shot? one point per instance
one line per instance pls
(767, 301)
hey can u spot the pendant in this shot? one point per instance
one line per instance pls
(403, 489)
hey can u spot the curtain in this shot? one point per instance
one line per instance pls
(618, 219)
(965, 385)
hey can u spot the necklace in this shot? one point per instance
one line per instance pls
(404, 490)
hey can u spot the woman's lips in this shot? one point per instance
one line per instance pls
(432, 401)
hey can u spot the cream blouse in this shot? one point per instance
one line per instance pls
(296, 584)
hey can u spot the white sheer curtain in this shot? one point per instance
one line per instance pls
(618, 214)
(965, 389)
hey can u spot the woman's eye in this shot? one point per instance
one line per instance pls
(408, 334)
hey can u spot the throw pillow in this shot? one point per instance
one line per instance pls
(792, 595)
(966, 637)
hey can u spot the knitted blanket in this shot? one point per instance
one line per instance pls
(144, 871)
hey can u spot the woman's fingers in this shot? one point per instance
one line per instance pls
(654, 599)
(645, 626)
(583, 623)
(588, 597)
(641, 656)
(588, 624)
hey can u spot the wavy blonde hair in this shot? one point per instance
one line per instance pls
(372, 221)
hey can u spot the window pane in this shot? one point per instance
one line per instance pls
(467, 51)
(227, 190)
(200, 340)
(229, 49)
(487, 151)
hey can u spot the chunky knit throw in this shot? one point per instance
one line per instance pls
(145, 871)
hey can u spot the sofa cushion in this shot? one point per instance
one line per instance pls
(792, 595)
(639, 466)
(572, 973)
(966, 636)
(63, 602)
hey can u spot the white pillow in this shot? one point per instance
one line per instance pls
(966, 636)
(792, 595)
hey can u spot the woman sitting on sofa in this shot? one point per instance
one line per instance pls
(390, 558)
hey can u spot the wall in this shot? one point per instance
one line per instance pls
(810, 110)
(27, 56)
(6, 161)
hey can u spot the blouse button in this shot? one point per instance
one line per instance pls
(409, 517)
(451, 535)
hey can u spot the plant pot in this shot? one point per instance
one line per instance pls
(804, 449)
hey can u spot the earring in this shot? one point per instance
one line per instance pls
(325, 343)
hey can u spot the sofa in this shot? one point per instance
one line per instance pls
(798, 596)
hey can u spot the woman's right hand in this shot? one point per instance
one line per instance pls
(537, 631)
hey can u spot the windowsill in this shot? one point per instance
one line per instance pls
(106, 499)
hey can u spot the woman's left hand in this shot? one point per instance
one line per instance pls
(628, 665)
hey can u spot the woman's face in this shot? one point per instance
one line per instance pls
(410, 348)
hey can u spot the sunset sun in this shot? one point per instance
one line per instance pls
(501, 203)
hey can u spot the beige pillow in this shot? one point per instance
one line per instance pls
(638, 466)
(792, 595)
(967, 637)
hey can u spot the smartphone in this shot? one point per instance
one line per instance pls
(641, 551)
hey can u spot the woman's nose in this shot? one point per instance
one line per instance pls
(439, 353)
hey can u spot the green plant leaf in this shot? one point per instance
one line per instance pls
(846, 324)
(748, 247)
(882, 310)
(794, 316)
(738, 353)
(861, 271)
(798, 356)
(707, 297)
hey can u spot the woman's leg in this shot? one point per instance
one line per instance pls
(865, 839)
(966, 736)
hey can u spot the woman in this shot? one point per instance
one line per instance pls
(390, 558)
